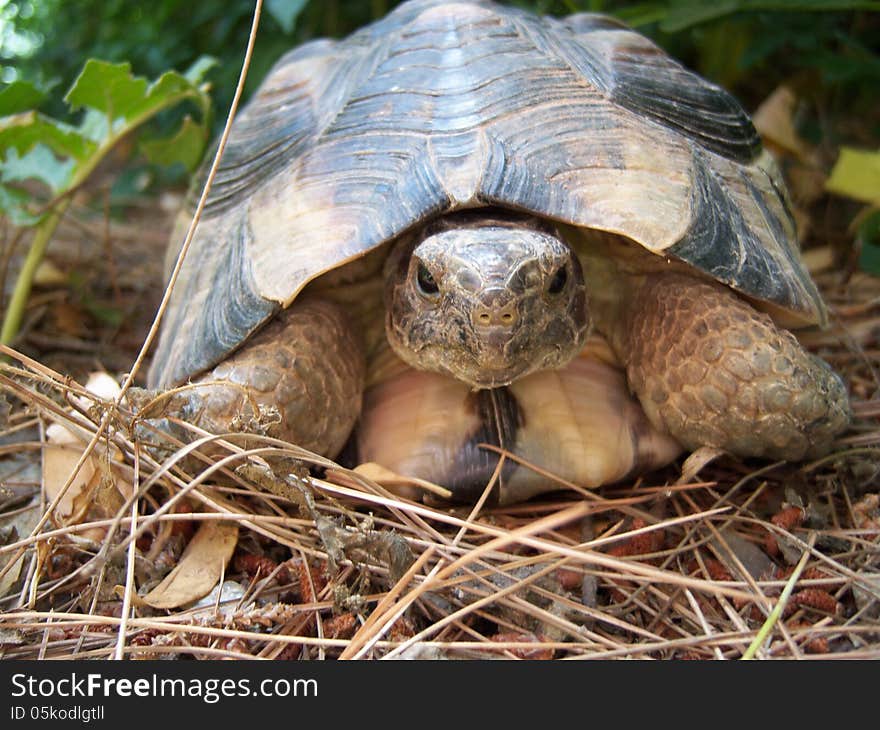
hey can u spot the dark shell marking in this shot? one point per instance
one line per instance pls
(442, 106)
(500, 419)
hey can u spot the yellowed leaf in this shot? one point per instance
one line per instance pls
(856, 175)
(48, 274)
(200, 567)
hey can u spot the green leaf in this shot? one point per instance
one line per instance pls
(683, 15)
(869, 236)
(20, 96)
(185, 146)
(196, 73)
(115, 103)
(636, 16)
(856, 175)
(20, 132)
(285, 12)
(38, 163)
(107, 87)
(112, 90)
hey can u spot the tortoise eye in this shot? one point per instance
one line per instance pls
(425, 281)
(557, 283)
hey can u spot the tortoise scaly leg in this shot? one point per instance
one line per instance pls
(711, 370)
(307, 363)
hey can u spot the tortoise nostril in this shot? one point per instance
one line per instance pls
(495, 316)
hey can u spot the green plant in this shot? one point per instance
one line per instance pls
(44, 160)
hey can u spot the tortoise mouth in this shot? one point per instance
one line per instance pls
(496, 370)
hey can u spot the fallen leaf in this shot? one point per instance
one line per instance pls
(856, 175)
(752, 558)
(820, 258)
(695, 463)
(97, 490)
(15, 528)
(774, 120)
(48, 274)
(200, 567)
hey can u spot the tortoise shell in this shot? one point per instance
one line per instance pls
(444, 106)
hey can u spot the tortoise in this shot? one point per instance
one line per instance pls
(466, 230)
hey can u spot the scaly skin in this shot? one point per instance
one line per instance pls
(713, 371)
(307, 363)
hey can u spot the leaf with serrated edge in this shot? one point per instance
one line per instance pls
(108, 87)
(112, 90)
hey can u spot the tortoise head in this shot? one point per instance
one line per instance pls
(485, 300)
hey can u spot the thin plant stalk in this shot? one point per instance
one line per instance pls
(23, 284)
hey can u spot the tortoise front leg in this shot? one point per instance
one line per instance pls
(307, 363)
(711, 370)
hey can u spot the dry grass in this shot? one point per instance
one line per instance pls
(709, 559)
(337, 567)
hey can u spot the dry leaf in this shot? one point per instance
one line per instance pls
(820, 258)
(48, 274)
(200, 568)
(774, 121)
(695, 463)
(96, 490)
(753, 558)
(15, 528)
